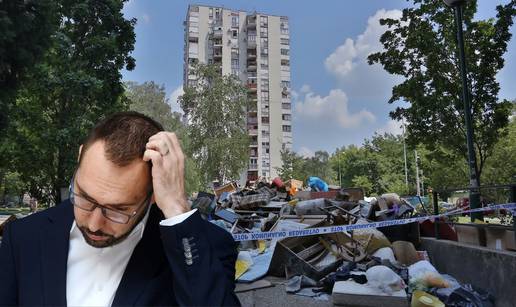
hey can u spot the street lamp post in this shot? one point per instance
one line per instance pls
(474, 193)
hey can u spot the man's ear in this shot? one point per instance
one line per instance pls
(79, 156)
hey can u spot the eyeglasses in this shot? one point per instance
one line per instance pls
(111, 214)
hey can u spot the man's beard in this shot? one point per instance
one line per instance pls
(110, 239)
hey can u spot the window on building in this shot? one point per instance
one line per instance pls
(285, 63)
(263, 21)
(234, 21)
(234, 63)
(285, 41)
(285, 84)
(285, 106)
(285, 51)
(286, 117)
(265, 96)
(287, 128)
(234, 33)
(193, 29)
(265, 120)
(211, 13)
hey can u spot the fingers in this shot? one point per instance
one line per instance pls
(164, 142)
(154, 156)
(158, 145)
(176, 146)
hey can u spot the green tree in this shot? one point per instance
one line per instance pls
(150, 99)
(77, 81)
(216, 111)
(351, 162)
(11, 185)
(289, 166)
(364, 182)
(319, 166)
(387, 152)
(25, 30)
(421, 47)
(500, 169)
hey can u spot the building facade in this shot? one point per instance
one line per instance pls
(254, 47)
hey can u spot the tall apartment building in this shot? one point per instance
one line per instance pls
(255, 47)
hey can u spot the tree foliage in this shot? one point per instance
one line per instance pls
(150, 99)
(216, 111)
(421, 47)
(297, 167)
(25, 30)
(76, 82)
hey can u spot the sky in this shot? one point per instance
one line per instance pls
(338, 99)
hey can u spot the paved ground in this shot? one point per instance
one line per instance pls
(277, 296)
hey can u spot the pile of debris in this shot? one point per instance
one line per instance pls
(363, 267)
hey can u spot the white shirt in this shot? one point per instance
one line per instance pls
(93, 274)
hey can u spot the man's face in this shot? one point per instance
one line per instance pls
(123, 189)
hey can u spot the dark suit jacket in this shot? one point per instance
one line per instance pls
(34, 253)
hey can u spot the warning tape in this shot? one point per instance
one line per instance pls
(340, 228)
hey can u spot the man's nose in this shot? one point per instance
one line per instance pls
(96, 220)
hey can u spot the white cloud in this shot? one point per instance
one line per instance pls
(173, 99)
(305, 152)
(305, 88)
(332, 108)
(352, 53)
(392, 127)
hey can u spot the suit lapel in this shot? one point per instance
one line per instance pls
(147, 258)
(54, 249)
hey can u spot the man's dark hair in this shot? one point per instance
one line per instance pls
(124, 135)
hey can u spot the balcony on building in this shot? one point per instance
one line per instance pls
(252, 110)
(251, 45)
(193, 37)
(252, 121)
(251, 86)
(252, 175)
(252, 131)
(254, 142)
(251, 55)
(217, 43)
(251, 22)
(217, 32)
(251, 66)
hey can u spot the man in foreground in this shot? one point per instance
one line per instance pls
(126, 236)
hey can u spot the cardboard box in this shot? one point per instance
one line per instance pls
(500, 238)
(350, 293)
(473, 234)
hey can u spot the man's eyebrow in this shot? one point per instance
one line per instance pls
(88, 197)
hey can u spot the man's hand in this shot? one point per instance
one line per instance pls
(168, 174)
